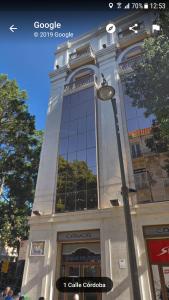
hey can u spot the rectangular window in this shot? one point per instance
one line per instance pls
(135, 150)
(72, 143)
(81, 141)
(77, 178)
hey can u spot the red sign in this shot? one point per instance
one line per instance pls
(158, 251)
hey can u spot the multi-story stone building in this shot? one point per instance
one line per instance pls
(75, 230)
(151, 179)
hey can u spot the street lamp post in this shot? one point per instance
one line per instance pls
(104, 93)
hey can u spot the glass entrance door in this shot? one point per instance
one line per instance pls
(80, 260)
(91, 271)
(158, 254)
(82, 270)
(71, 271)
(160, 275)
(164, 280)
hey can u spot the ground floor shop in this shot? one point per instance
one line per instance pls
(157, 244)
(93, 244)
(80, 258)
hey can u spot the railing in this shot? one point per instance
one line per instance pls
(143, 153)
(78, 84)
(141, 181)
(127, 66)
(80, 54)
(141, 185)
(146, 192)
(128, 37)
(136, 155)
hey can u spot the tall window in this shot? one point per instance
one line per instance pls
(135, 150)
(151, 184)
(77, 180)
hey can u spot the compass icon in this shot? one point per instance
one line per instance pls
(110, 28)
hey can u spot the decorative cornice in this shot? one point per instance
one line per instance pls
(80, 88)
(155, 208)
(96, 31)
(59, 72)
(152, 208)
(77, 215)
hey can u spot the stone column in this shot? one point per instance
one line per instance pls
(46, 182)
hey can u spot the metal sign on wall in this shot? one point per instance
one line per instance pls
(83, 235)
(156, 231)
(158, 251)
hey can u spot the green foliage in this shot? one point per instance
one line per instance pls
(74, 173)
(13, 224)
(164, 22)
(148, 85)
(75, 177)
(155, 142)
(20, 146)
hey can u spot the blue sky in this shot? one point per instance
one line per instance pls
(29, 60)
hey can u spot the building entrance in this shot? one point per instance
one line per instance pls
(158, 251)
(81, 260)
(163, 272)
(83, 270)
(157, 242)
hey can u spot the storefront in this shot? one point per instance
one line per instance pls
(80, 257)
(157, 243)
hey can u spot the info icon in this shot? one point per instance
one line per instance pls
(110, 28)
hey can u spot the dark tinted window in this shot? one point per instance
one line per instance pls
(77, 181)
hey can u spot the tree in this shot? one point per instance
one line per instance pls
(148, 84)
(76, 186)
(13, 224)
(20, 146)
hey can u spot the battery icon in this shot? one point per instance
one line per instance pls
(145, 5)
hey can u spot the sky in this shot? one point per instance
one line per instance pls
(29, 60)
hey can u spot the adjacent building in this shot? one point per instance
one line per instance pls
(77, 226)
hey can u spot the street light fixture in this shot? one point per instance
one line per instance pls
(107, 92)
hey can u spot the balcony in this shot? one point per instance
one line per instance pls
(84, 82)
(132, 38)
(126, 67)
(141, 185)
(141, 180)
(83, 55)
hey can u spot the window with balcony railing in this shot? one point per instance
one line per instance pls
(80, 52)
(81, 82)
(127, 66)
(135, 150)
(141, 179)
(82, 56)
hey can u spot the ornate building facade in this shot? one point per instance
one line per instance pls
(78, 228)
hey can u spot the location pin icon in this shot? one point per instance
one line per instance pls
(110, 4)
